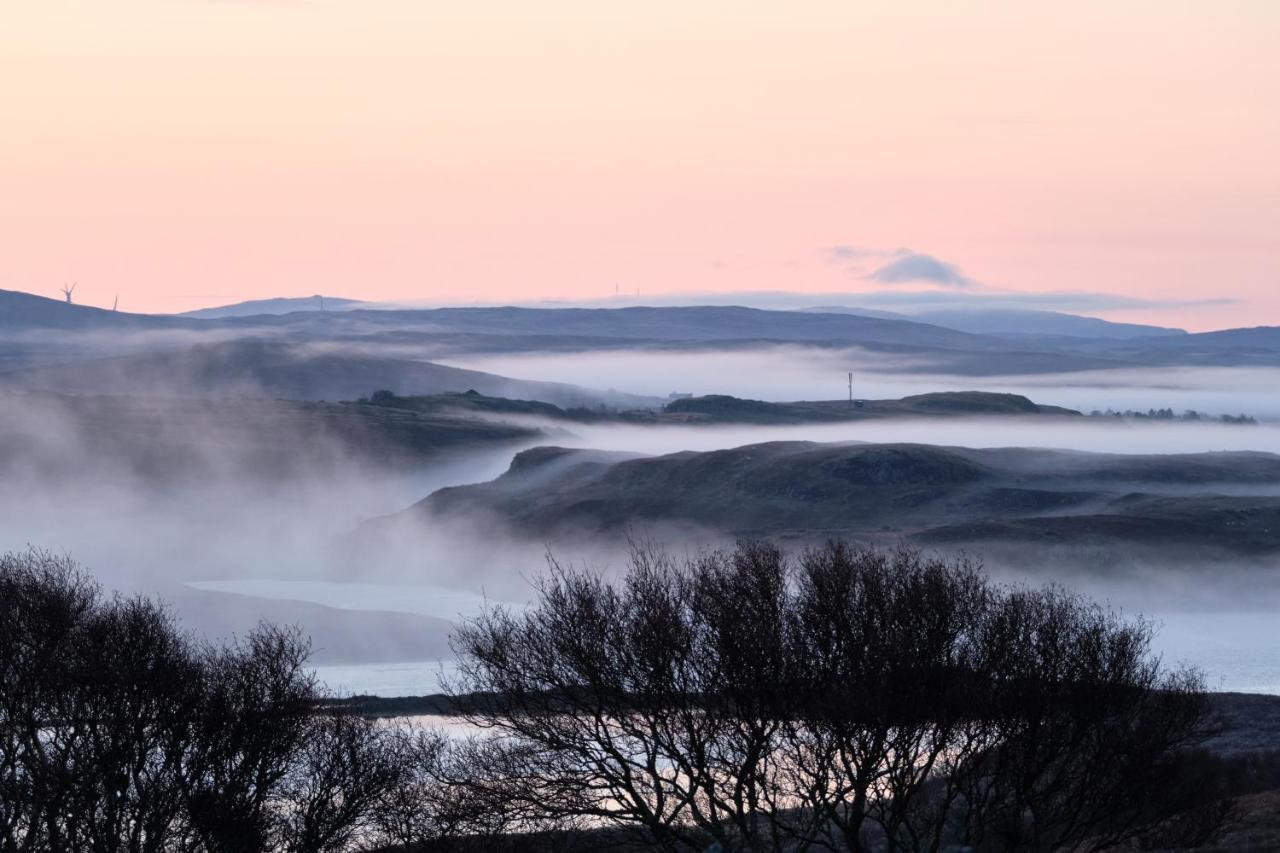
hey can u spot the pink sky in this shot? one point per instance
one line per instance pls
(184, 153)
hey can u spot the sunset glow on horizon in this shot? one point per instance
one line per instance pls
(187, 153)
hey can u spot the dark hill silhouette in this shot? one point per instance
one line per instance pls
(25, 311)
(722, 409)
(933, 494)
(277, 305)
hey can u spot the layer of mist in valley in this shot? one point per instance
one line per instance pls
(242, 532)
(808, 373)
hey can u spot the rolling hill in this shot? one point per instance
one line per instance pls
(722, 409)
(273, 369)
(278, 305)
(21, 312)
(1224, 501)
(993, 342)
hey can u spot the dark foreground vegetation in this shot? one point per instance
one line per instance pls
(848, 700)
(853, 700)
(119, 733)
(1170, 415)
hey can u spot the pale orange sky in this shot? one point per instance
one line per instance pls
(183, 153)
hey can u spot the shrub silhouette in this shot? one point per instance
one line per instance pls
(847, 700)
(851, 700)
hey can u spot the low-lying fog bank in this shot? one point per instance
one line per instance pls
(1237, 651)
(1102, 435)
(220, 530)
(232, 540)
(805, 373)
(1235, 648)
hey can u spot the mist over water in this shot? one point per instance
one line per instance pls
(229, 545)
(786, 373)
(422, 598)
(1099, 436)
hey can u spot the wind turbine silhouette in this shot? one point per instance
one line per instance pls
(67, 291)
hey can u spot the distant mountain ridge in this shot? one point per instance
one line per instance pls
(1007, 322)
(694, 323)
(980, 321)
(445, 332)
(276, 305)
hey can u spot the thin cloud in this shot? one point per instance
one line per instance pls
(845, 253)
(914, 267)
(897, 266)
